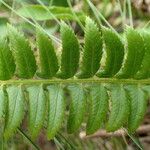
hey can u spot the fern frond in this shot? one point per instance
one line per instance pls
(47, 56)
(92, 52)
(144, 71)
(98, 107)
(138, 105)
(115, 53)
(77, 107)
(124, 108)
(7, 68)
(24, 57)
(135, 58)
(70, 52)
(56, 109)
(125, 98)
(37, 105)
(119, 110)
(15, 110)
(135, 53)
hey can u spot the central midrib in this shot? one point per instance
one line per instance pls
(67, 81)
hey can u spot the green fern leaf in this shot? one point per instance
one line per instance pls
(56, 109)
(92, 50)
(135, 53)
(119, 108)
(115, 53)
(15, 110)
(7, 65)
(70, 52)
(138, 105)
(37, 105)
(24, 58)
(144, 71)
(127, 105)
(77, 108)
(98, 108)
(47, 56)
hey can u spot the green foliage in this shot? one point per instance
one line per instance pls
(7, 68)
(144, 71)
(15, 110)
(77, 107)
(110, 100)
(135, 57)
(115, 52)
(98, 107)
(56, 109)
(48, 59)
(127, 106)
(37, 105)
(135, 53)
(92, 52)
(138, 104)
(24, 57)
(70, 52)
(119, 108)
(39, 13)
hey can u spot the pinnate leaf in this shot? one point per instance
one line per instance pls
(7, 65)
(37, 109)
(56, 109)
(77, 107)
(119, 111)
(92, 52)
(47, 55)
(135, 53)
(70, 52)
(98, 108)
(114, 51)
(138, 104)
(144, 71)
(24, 57)
(15, 110)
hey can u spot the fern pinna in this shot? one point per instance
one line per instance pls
(115, 92)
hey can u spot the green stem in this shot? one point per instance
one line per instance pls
(95, 11)
(121, 12)
(67, 81)
(75, 16)
(98, 15)
(120, 8)
(124, 12)
(130, 12)
(13, 6)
